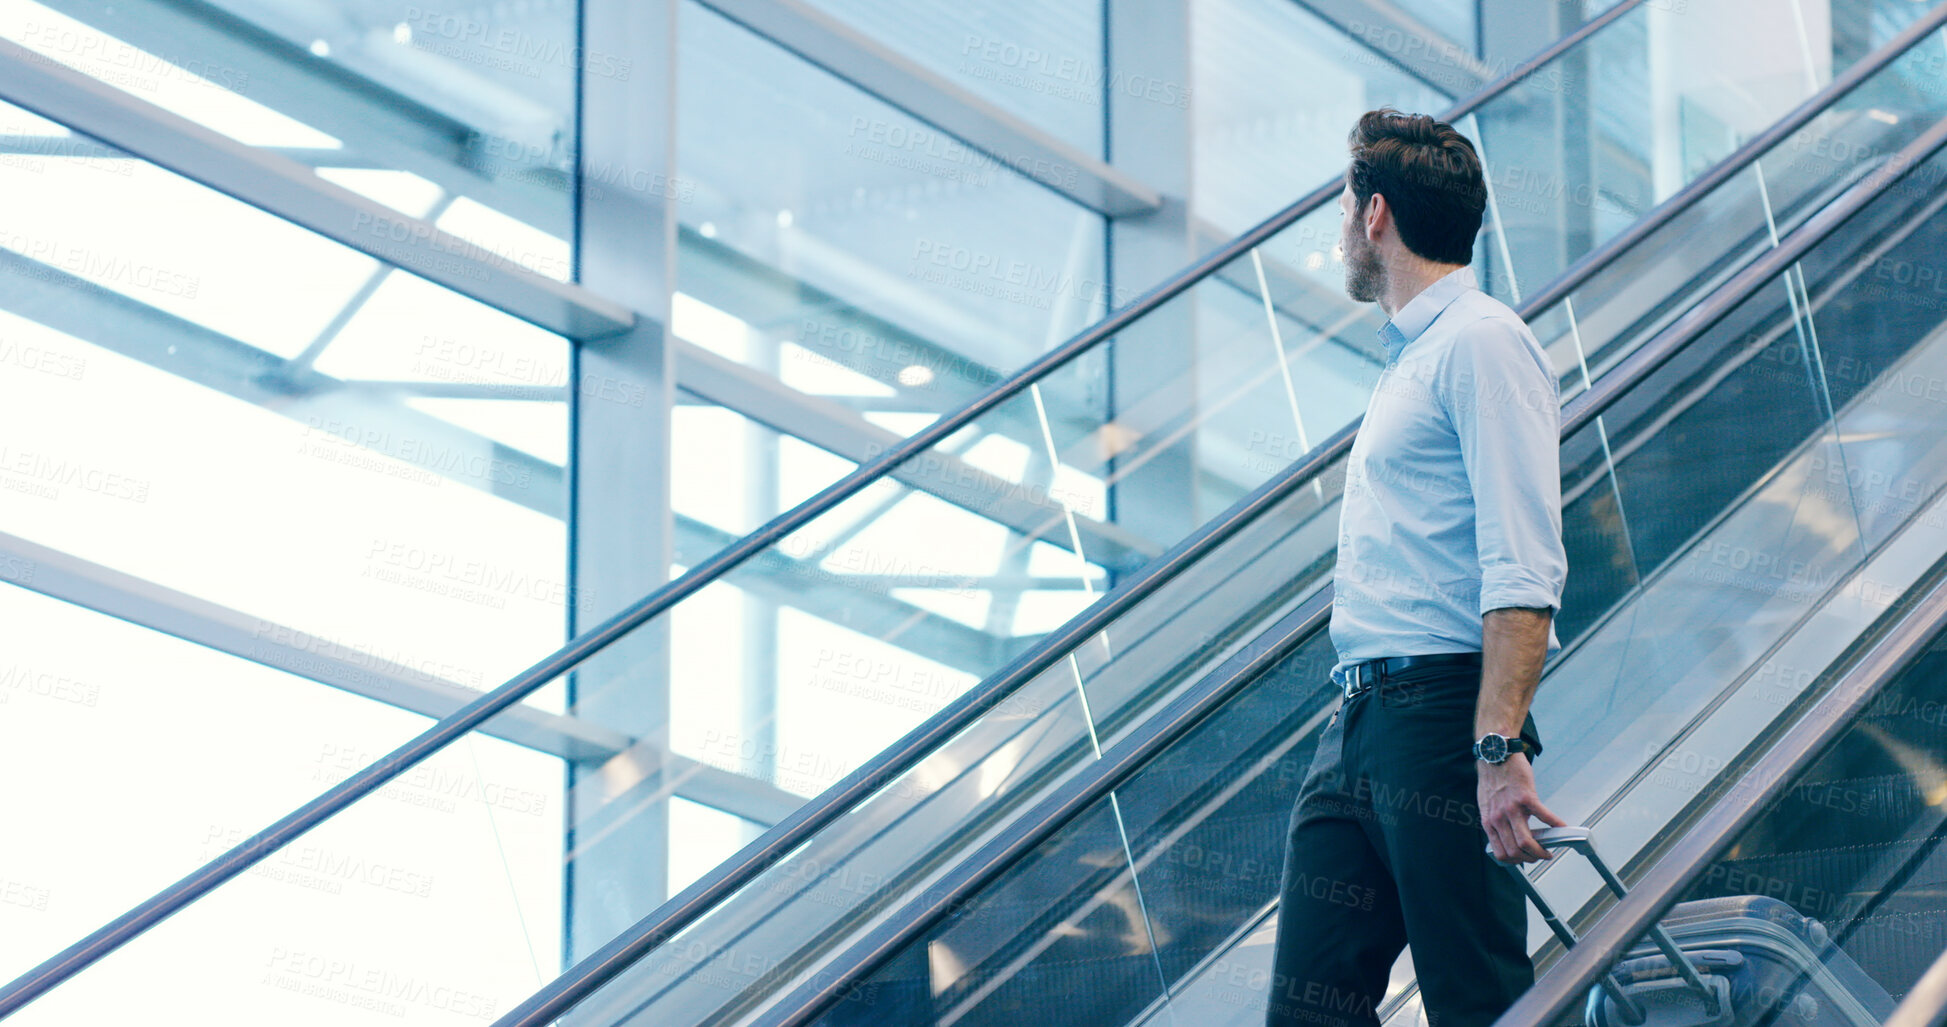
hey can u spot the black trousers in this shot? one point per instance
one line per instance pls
(1385, 849)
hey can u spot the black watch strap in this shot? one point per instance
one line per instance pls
(1514, 744)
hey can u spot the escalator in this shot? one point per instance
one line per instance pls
(1239, 602)
(1056, 926)
(1700, 658)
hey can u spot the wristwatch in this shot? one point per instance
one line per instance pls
(1496, 749)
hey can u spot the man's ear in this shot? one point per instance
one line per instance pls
(1378, 216)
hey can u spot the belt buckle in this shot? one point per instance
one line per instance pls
(1358, 679)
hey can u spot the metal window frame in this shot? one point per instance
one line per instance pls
(1437, 62)
(283, 187)
(896, 79)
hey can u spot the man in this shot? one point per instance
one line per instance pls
(1450, 568)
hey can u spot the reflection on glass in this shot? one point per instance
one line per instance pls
(1039, 60)
(462, 115)
(315, 442)
(835, 222)
(1275, 89)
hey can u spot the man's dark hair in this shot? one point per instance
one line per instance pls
(1430, 177)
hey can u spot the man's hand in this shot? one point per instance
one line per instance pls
(1507, 798)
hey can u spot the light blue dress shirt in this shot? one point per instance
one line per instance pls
(1453, 503)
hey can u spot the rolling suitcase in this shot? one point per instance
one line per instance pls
(1737, 961)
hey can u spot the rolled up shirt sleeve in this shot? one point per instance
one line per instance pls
(1502, 400)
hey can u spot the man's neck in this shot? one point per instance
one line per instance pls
(1408, 279)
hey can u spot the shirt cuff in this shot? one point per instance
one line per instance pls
(1509, 584)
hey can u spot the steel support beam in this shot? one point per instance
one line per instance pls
(287, 189)
(52, 297)
(925, 94)
(380, 127)
(66, 303)
(1407, 43)
(92, 586)
(1153, 366)
(646, 775)
(622, 527)
(832, 426)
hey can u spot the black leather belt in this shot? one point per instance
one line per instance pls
(1359, 677)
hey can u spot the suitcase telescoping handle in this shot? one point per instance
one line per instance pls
(1580, 840)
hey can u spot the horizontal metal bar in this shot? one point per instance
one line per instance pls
(1029, 511)
(380, 125)
(287, 189)
(1563, 986)
(461, 390)
(658, 770)
(329, 420)
(1437, 61)
(326, 660)
(835, 800)
(896, 79)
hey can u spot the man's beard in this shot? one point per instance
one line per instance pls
(1365, 273)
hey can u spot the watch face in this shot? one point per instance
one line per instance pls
(1492, 748)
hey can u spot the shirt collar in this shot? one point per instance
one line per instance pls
(1419, 312)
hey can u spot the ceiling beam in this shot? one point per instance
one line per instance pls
(896, 79)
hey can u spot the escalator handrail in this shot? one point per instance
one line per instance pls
(240, 858)
(1568, 980)
(1124, 759)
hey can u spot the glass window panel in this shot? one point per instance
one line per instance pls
(704, 837)
(189, 442)
(1039, 60)
(837, 223)
(473, 103)
(168, 754)
(1275, 90)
